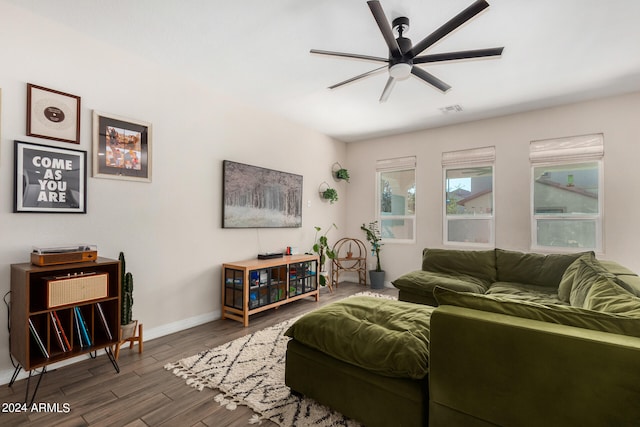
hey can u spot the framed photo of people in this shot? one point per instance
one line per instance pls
(52, 114)
(49, 179)
(121, 148)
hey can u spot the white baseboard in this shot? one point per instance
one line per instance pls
(149, 334)
(181, 325)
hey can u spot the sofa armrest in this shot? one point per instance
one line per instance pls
(495, 369)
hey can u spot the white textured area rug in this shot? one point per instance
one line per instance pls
(250, 371)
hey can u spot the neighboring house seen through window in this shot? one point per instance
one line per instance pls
(567, 193)
(396, 199)
(468, 201)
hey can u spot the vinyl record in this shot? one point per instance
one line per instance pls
(53, 114)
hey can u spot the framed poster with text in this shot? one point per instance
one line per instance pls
(49, 179)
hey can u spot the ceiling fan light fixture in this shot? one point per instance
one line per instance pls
(400, 71)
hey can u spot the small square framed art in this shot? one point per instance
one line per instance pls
(121, 148)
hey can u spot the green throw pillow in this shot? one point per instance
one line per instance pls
(566, 282)
(587, 274)
(561, 314)
(608, 297)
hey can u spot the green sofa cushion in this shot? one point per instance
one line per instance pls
(524, 292)
(388, 337)
(479, 264)
(615, 268)
(630, 283)
(624, 277)
(608, 297)
(561, 314)
(533, 268)
(423, 282)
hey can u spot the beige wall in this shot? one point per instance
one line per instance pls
(170, 229)
(616, 118)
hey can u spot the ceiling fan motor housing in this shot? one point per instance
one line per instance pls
(400, 25)
(400, 68)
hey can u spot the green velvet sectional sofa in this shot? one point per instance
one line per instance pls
(517, 339)
(525, 276)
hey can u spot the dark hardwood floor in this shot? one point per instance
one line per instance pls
(144, 393)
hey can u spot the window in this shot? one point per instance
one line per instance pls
(396, 199)
(567, 193)
(468, 197)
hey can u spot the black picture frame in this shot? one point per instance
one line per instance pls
(256, 197)
(49, 179)
(121, 148)
(52, 114)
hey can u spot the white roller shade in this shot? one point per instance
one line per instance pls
(584, 147)
(470, 156)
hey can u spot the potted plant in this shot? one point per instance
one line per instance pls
(342, 174)
(321, 247)
(373, 237)
(330, 194)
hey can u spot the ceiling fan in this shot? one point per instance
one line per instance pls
(403, 56)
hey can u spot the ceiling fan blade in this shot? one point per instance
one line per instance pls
(430, 79)
(349, 55)
(385, 28)
(463, 54)
(358, 77)
(471, 11)
(391, 82)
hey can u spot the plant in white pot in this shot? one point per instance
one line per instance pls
(373, 237)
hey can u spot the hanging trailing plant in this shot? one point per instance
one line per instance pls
(342, 174)
(330, 194)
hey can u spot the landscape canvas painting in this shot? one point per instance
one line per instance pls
(256, 197)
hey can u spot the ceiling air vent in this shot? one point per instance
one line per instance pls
(451, 109)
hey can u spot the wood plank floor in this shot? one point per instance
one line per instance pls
(144, 393)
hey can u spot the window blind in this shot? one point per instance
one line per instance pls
(583, 147)
(469, 156)
(397, 163)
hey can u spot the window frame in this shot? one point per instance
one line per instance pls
(598, 218)
(396, 165)
(479, 217)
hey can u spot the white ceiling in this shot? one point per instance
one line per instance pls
(257, 51)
